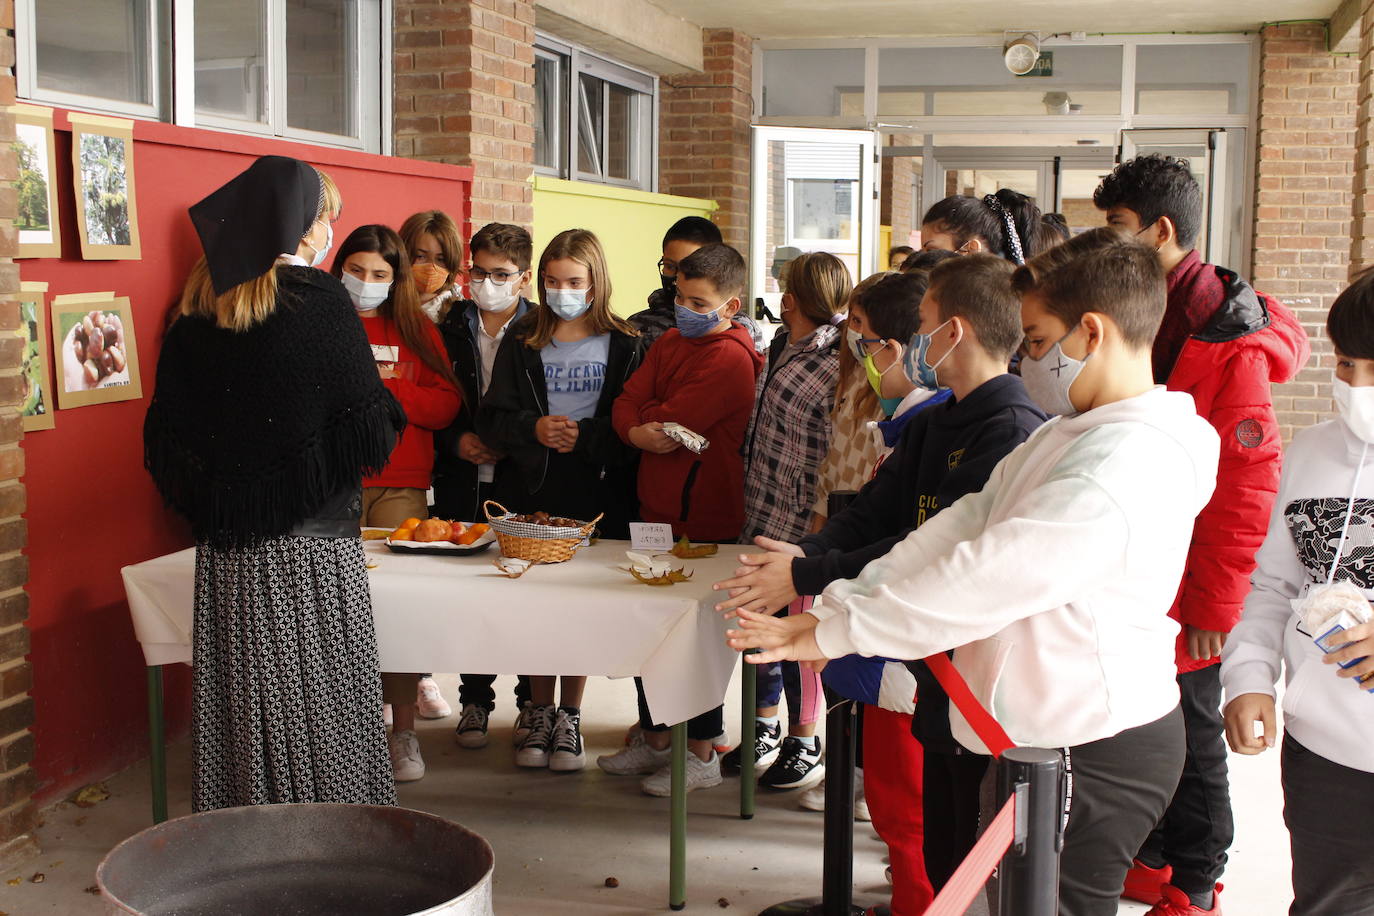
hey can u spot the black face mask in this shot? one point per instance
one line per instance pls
(667, 281)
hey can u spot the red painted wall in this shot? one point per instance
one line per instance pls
(91, 506)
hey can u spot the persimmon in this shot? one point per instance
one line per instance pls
(410, 524)
(403, 534)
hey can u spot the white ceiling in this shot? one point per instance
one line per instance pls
(925, 18)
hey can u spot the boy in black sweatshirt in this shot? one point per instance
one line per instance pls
(970, 326)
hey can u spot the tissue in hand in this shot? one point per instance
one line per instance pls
(1329, 610)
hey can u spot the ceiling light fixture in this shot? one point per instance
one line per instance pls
(1020, 51)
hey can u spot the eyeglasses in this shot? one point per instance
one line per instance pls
(500, 276)
(667, 268)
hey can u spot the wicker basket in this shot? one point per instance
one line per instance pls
(536, 543)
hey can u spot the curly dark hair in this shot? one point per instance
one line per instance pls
(1155, 186)
(1350, 323)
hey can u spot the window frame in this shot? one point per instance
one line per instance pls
(172, 69)
(574, 62)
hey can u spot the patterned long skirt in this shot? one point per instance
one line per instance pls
(287, 699)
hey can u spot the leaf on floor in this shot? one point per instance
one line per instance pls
(38, 878)
(93, 889)
(90, 796)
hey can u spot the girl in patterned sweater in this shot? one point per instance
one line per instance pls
(789, 437)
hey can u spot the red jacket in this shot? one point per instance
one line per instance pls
(1246, 342)
(707, 385)
(429, 401)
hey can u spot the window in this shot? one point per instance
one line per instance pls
(594, 119)
(305, 69)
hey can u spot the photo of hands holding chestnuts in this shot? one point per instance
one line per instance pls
(94, 354)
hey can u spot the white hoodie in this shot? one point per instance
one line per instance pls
(1331, 716)
(1053, 584)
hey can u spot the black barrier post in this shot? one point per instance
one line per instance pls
(1028, 878)
(837, 880)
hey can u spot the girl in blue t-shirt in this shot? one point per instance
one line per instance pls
(548, 410)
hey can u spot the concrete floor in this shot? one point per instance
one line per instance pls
(558, 837)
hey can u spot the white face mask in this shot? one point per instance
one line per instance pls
(365, 296)
(322, 253)
(1356, 407)
(1049, 378)
(491, 296)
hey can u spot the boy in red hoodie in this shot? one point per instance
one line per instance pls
(700, 375)
(1223, 343)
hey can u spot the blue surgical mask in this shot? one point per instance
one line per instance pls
(568, 304)
(918, 369)
(695, 324)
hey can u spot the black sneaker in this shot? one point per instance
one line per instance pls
(471, 732)
(567, 755)
(797, 766)
(767, 740)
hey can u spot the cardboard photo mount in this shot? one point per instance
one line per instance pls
(42, 118)
(80, 304)
(36, 293)
(123, 129)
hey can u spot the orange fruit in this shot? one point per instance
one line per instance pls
(409, 524)
(403, 534)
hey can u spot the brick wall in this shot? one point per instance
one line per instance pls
(1362, 230)
(1303, 184)
(896, 196)
(464, 94)
(16, 677)
(703, 140)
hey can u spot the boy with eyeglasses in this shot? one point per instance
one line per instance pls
(465, 467)
(682, 238)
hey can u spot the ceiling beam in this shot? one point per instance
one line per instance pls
(1343, 31)
(634, 31)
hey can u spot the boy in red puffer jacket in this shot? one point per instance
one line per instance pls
(1224, 344)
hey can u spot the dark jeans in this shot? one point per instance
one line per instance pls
(704, 727)
(477, 690)
(1328, 809)
(950, 804)
(1197, 828)
(1121, 786)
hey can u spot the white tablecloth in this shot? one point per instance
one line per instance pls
(455, 614)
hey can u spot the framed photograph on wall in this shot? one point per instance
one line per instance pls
(36, 405)
(94, 354)
(38, 223)
(106, 205)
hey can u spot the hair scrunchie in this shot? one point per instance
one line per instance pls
(1013, 238)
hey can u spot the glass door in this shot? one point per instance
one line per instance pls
(1206, 152)
(812, 190)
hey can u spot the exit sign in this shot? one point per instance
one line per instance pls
(1044, 65)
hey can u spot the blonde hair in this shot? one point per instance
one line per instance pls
(582, 246)
(445, 231)
(252, 301)
(819, 284)
(866, 403)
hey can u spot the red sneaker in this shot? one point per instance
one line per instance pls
(1144, 883)
(1176, 903)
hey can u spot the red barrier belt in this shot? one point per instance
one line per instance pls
(969, 877)
(988, 729)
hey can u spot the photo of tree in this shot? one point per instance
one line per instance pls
(37, 220)
(105, 188)
(36, 404)
(106, 204)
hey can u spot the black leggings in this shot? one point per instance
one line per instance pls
(703, 727)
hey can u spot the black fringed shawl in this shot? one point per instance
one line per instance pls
(249, 433)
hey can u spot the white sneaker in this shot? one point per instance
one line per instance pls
(638, 759)
(701, 774)
(406, 763)
(386, 714)
(523, 723)
(860, 800)
(429, 702)
(813, 799)
(471, 732)
(534, 750)
(566, 754)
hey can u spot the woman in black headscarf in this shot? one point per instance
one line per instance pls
(267, 413)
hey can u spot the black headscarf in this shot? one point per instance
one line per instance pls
(262, 213)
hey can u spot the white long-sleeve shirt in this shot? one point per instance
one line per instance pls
(1330, 715)
(1053, 584)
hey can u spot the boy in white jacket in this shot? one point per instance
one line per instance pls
(1320, 532)
(1053, 584)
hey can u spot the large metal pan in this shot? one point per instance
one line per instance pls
(301, 860)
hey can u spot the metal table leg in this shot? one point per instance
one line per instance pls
(748, 729)
(157, 744)
(677, 854)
